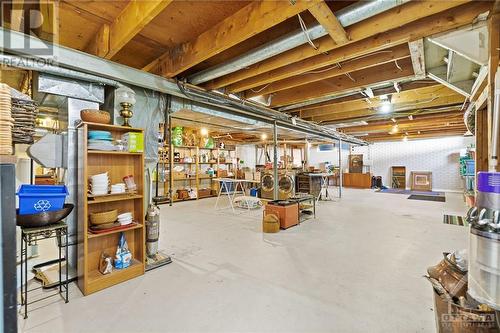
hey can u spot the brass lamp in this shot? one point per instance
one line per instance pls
(126, 97)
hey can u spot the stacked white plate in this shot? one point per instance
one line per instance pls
(99, 184)
(118, 188)
(6, 121)
(125, 218)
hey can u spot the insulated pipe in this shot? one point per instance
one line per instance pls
(40, 66)
(347, 16)
(495, 135)
(275, 162)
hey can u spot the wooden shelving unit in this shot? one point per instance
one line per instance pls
(118, 165)
(398, 177)
(199, 179)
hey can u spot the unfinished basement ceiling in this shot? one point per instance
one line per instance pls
(339, 76)
(235, 130)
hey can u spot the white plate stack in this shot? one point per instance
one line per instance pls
(118, 188)
(125, 218)
(99, 184)
(6, 121)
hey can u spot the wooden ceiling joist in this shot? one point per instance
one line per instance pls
(417, 97)
(111, 38)
(430, 134)
(356, 80)
(437, 102)
(247, 22)
(402, 86)
(378, 58)
(323, 14)
(367, 37)
(445, 120)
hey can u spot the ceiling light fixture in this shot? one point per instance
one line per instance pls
(405, 138)
(386, 107)
(263, 136)
(394, 129)
(204, 131)
(393, 120)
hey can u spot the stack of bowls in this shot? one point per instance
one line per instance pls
(125, 218)
(118, 188)
(6, 121)
(99, 184)
(100, 140)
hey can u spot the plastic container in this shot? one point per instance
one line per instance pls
(35, 199)
(254, 192)
(470, 167)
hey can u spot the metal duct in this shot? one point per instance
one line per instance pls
(347, 16)
(40, 66)
(257, 112)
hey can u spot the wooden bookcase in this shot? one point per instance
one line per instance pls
(90, 246)
(398, 177)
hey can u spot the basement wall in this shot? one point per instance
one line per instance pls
(440, 156)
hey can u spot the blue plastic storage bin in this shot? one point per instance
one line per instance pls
(228, 188)
(35, 199)
(254, 192)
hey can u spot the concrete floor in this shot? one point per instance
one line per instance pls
(357, 268)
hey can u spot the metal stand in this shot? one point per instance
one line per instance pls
(32, 235)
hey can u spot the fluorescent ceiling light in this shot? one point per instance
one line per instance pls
(353, 123)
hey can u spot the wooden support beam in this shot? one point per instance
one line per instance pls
(245, 23)
(340, 84)
(449, 119)
(130, 22)
(378, 58)
(494, 47)
(329, 21)
(405, 86)
(413, 20)
(437, 102)
(418, 58)
(482, 143)
(417, 97)
(415, 136)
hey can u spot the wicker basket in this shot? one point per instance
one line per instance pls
(104, 217)
(95, 116)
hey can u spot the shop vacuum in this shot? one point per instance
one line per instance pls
(484, 241)
(154, 258)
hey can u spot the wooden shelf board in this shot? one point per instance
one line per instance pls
(109, 127)
(98, 281)
(90, 235)
(112, 152)
(111, 198)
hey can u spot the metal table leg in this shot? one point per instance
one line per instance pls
(67, 269)
(25, 277)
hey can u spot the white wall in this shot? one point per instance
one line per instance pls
(316, 157)
(440, 156)
(246, 153)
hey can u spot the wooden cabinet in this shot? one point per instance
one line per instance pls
(90, 247)
(398, 177)
(357, 180)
